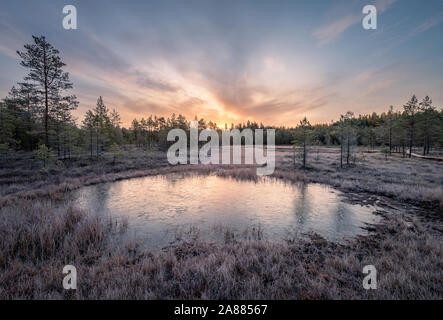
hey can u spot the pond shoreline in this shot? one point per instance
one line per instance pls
(162, 207)
(109, 268)
(56, 189)
(38, 240)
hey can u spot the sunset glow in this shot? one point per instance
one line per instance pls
(234, 61)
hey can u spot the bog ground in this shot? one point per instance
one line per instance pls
(40, 236)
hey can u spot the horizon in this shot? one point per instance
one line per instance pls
(121, 177)
(273, 63)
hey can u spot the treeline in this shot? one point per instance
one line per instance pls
(37, 114)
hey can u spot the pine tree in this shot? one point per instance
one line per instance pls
(89, 125)
(47, 77)
(390, 126)
(303, 137)
(135, 128)
(410, 109)
(7, 127)
(116, 122)
(103, 124)
(428, 122)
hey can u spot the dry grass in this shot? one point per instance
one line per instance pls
(414, 180)
(56, 190)
(25, 173)
(38, 240)
(417, 181)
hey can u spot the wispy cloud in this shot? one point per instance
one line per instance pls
(428, 24)
(330, 32)
(232, 61)
(10, 38)
(403, 38)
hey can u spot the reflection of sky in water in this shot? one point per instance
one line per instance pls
(158, 206)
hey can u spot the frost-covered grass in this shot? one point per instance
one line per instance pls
(38, 239)
(39, 235)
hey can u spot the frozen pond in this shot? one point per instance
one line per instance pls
(162, 209)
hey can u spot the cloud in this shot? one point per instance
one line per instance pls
(280, 108)
(399, 40)
(147, 81)
(330, 32)
(10, 38)
(383, 5)
(428, 24)
(142, 108)
(228, 62)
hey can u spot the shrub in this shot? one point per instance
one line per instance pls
(44, 154)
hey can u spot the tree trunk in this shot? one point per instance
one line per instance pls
(45, 71)
(425, 147)
(348, 151)
(91, 142)
(411, 140)
(341, 154)
(96, 141)
(390, 141)
(58, 138)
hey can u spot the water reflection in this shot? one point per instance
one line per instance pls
(158, 208)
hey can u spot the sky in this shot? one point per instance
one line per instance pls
(229, 61)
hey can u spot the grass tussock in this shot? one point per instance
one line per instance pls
(38, 240)
(39, 236)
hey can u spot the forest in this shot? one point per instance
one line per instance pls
(37, 116)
